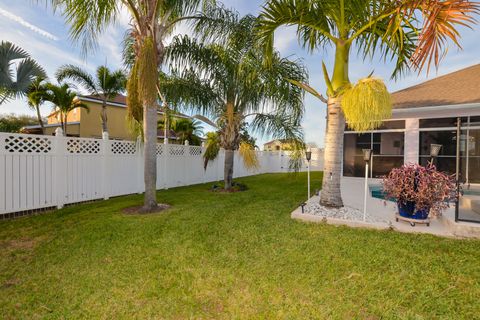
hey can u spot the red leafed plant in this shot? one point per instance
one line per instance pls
(427, 187)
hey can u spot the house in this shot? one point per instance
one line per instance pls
(425, 114)
(277, 145)
(443, 111)
(88, 124)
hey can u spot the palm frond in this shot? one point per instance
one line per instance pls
(440, 22)
(212, 148)
(79, 76)
(248, 155)
(279, 126)
(15, 82)
(205, 119)
(311, 18)
(87, 19)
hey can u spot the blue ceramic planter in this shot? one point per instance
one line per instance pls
(407, 210)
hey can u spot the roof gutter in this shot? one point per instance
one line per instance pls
(109, 103)
(444, 110)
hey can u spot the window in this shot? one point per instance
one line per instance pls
(388, 151)
(441, 122)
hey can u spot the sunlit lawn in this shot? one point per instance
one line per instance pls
(239, 255)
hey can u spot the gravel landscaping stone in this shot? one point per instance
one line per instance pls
(346, 213)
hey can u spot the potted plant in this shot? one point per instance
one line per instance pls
(419, 191)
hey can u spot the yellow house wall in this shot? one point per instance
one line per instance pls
(72, 130)
(73, 116)
(91, 122)
(277, 145)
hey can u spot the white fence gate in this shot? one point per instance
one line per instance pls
(51, 171)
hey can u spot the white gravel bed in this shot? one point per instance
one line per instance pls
(346, 213)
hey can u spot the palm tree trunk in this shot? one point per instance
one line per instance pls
(104, 116)
(39, 117)
(331, 195)
(64, 125)
(228, 169)
(150, 161)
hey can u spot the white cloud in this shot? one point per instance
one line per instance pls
(284, 39)
(28, 25)
(110, 47)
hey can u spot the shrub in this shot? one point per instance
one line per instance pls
(427, 187)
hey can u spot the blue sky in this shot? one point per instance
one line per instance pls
(44, 35)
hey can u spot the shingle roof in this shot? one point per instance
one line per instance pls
(459, 87)
(120, 98)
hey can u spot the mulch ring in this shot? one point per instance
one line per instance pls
(138, 210)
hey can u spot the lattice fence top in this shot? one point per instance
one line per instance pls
(123, 147)
(159, 149)
(177, 150)
(83, 146)
(195, 151)
(27, 144)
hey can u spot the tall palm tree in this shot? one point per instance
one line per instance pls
(105, 84)
(227, 82)
(65, 100)
(36, 95)
(15, 82)
(152, 22)
(412, 33)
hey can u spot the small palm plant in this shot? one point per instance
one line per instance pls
(65, 100)
(106, 84)
(36, 95)
(15, 83)
(188, 130)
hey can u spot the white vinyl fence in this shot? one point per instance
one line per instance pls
(51, 171)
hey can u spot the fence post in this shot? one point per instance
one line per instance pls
(105, 156)
(59, 168)
(201, 155)
(280, 161)
(186, 158)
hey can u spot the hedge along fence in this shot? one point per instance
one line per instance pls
(38, 172)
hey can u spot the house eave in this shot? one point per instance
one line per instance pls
(437, 111)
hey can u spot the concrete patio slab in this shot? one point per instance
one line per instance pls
(384, 215)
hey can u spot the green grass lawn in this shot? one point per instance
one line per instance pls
(224, 256)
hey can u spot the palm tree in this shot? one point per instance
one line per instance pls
(65, 100)
(152, 22)
(105, 84)
(188, 130)
(36, 95)
(228, 84)
(412, 33)
(15, 83)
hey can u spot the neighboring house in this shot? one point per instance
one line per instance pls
(87, 123)
(277, 145)
(425, 114)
